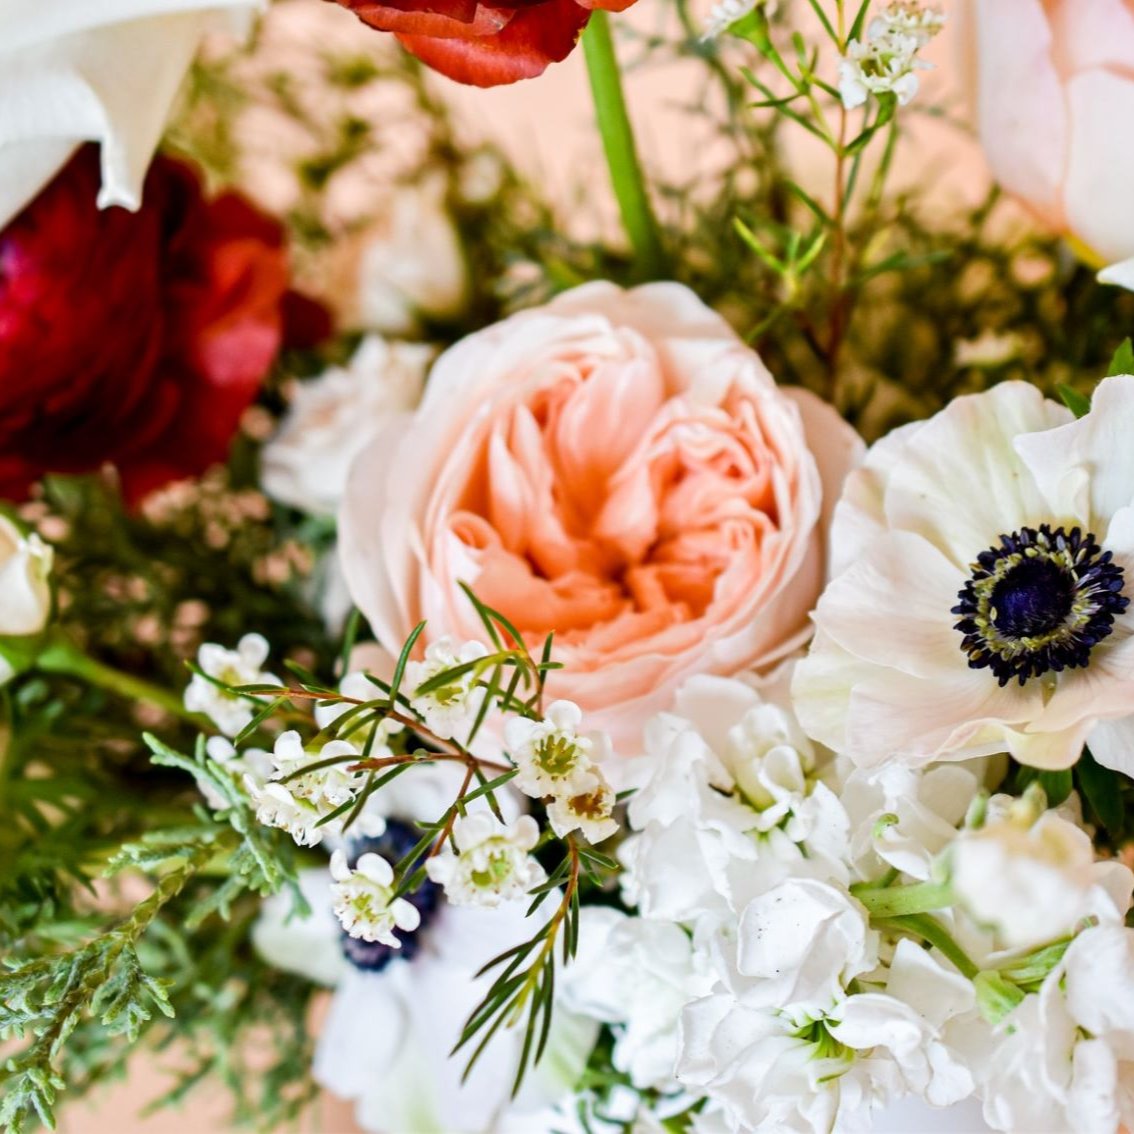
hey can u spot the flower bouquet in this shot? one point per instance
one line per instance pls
(627, 651)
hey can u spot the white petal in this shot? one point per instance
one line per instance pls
(68, 75)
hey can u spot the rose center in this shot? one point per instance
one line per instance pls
(1039, 602)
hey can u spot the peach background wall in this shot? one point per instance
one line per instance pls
(546, 125)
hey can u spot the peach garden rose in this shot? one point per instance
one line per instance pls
(617, 467)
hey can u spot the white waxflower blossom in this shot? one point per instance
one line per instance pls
(1064, 1059)
(359, 687)
(364, 900)
(25, 592)
(552, 758)
(252, 763)
(451, 710)
(1032, 875)
(887, 62)
(332, 417)
(230, 712)
(296, 801)
(590, 811)
(491, 863)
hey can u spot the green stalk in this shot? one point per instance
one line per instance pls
(63, 656)
(900, 901)
(618, 144)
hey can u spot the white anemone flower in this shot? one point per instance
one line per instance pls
(396, 1014)
(982, 569)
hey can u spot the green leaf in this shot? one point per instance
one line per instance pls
(1102, 789)
(1123, 360)
(1078, 404)
(1056, 785)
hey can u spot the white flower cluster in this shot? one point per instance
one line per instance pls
(887, 62)
(230, 712)
(559, 765)
(304, 788)
(364, 902)
(491, 862)
(814, 942)
(450, 710)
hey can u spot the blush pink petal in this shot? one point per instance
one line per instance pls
(1022, 112)
(1100, 173)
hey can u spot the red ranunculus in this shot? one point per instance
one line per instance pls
(134, 339)
(484, 45)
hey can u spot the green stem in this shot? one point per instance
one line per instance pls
(618, 144)
(63, 656)
(931, 930)
(900, 901)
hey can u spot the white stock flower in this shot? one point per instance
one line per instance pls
(1064, 1059)
(917, 1023)
(332, 417)
(412, 263)
(364, 900)
(800, 945)
(808, 1032)
(491, 863)
(731, 805)
(230, 712)
(551, 756)
(107, 72)
(636, 975)
(25, 593)
(976, 604)
(1033, 877)
(887, 62)
(450, 710)
(303, 798)
(904, 817)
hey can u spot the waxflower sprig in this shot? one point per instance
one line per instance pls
(821, 262)
(477, 850)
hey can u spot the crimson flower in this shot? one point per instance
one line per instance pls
(484, 45)
(133, 339)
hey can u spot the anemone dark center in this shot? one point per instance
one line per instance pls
(1039, 603)
(393, 845)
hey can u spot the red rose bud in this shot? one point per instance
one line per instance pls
(133, 339)
(480, 44)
